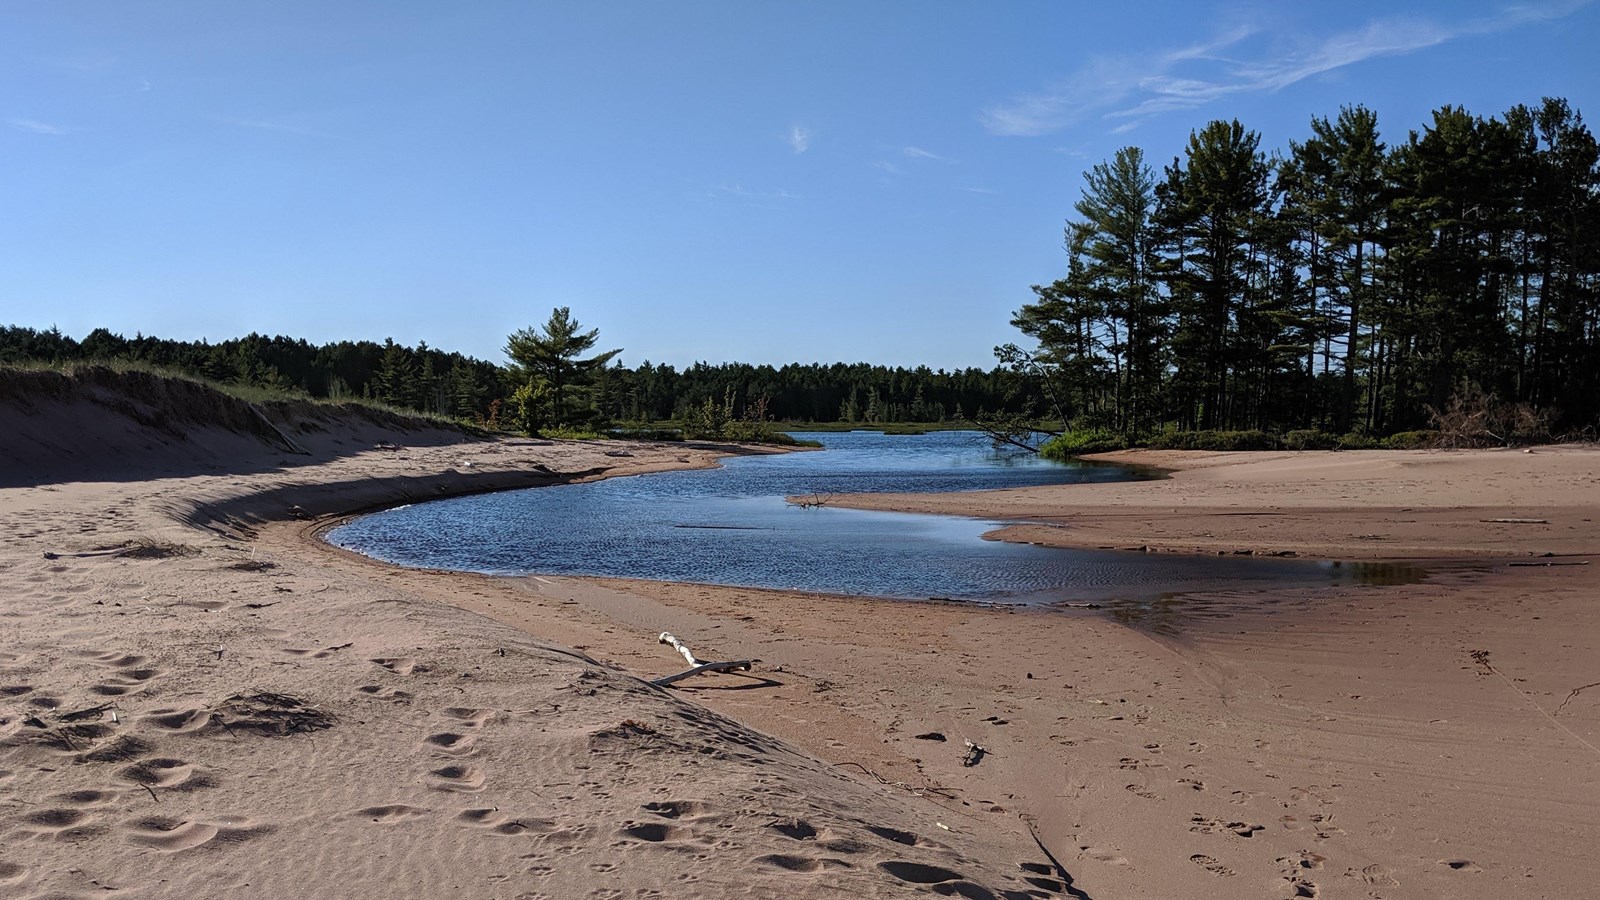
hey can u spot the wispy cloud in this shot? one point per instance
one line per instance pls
(919, 153)
(1243, 60)
(976, 190)
(144, 85)
(283, 125)
(34, 126)
(85, 61)
(799, 138)
(889, 167)
(737, 190)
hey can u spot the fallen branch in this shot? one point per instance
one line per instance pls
(913, 790)
(1573, 693)
(1516, 521)
(288, 442)
(91, 712)
(812, 500)
(1062, 874)
(1481, 657)
(697, 666)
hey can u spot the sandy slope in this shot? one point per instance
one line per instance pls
(211, 717)
(1430, 740)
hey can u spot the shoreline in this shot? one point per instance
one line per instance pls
(810, 690)
(1224, 746)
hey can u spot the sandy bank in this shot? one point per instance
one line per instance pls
(189, 709)
(489, 737)
(1360, 504)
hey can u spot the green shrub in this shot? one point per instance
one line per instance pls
(641, 433)
(571, 433)
(1068, 444)
(1412, 440)
(1214, 440)
(1310, 439)
(1360, 440)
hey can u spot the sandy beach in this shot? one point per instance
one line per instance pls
(199, 697)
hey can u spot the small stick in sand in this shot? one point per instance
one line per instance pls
(697, 666)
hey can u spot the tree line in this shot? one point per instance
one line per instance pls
(1345, 285)
(431, 380)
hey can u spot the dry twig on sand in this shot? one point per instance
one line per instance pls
(697, 667)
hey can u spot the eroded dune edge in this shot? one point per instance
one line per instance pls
(200, 698)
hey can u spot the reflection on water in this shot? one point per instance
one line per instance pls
(732, 526)
(1170, 612)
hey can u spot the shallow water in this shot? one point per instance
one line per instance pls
(733, 526)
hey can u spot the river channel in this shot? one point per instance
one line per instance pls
(733, 526)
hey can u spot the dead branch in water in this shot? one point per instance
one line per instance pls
(810, 501)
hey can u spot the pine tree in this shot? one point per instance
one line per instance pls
(553, 356)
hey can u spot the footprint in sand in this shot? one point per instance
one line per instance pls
(176, 835)
(400, 665)
(59, 823)
(1211, 864)
(130, 681)
(385, 693)
(1109, 857)
(901, 837)
(390, 813)
(795, 829)
(1138, 791)
(468, 716)
(457, 778)
(1324, 826)
(449, 743)
(85, 798)
(496, 822)
(114, 659)
(788, 863)
(653, 832)
(922, 873)
(167, 773)
(1379, 875)
(1204, 825)
(1295, 871)
(179, 721)
(11, 873)
(1302, 887)
(694, 809)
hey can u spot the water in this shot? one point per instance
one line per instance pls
(733, 526)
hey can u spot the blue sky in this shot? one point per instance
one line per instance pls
(749, 180)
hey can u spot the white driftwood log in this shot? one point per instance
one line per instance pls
(697, 666)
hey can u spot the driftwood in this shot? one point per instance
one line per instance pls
(288, 442)
(697, 666)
